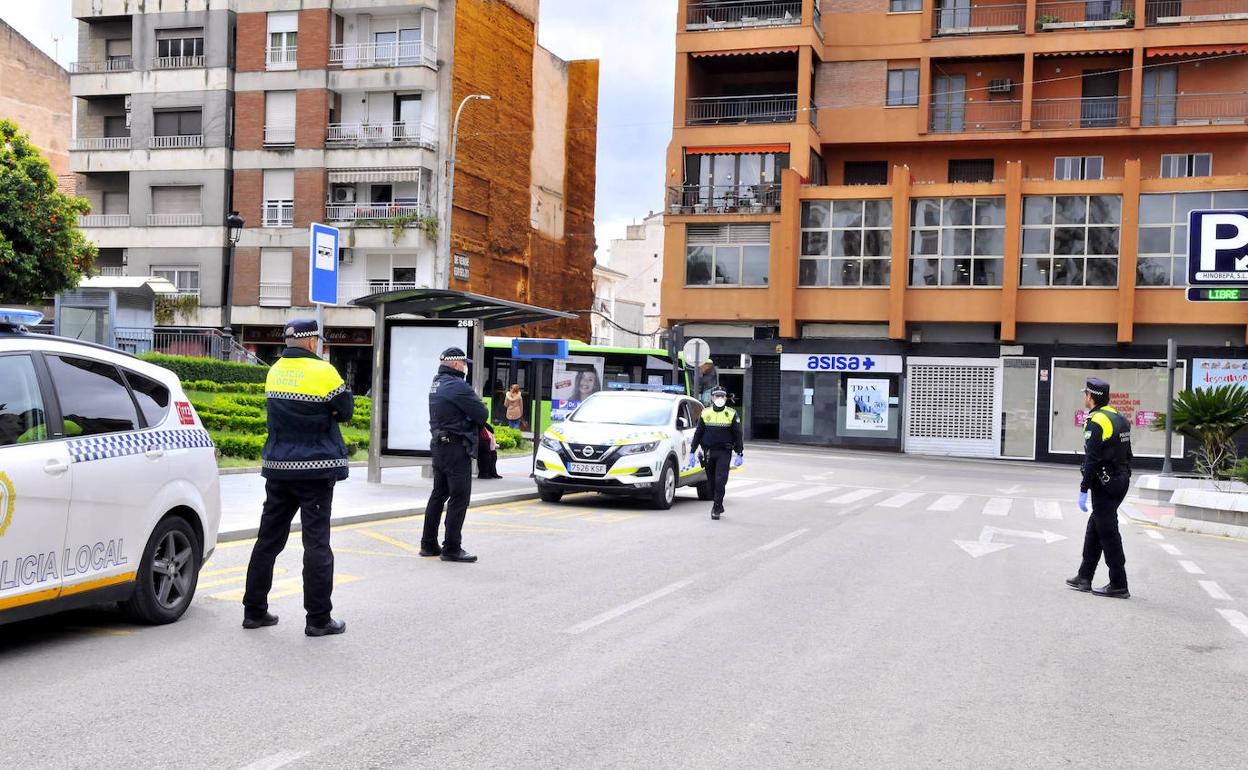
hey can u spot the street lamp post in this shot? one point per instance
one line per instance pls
(234, 230)
(442, 262)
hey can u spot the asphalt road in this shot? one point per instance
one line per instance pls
(850, 611)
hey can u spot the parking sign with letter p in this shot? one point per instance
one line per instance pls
(1217, 252)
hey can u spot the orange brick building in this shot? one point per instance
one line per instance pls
(988, 200)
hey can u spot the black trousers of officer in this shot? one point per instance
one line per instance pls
(718, 462)
(452, 490)
(1102, 536)
(313, 499)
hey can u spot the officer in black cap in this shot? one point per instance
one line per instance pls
(1107, 477)
(456, 415)
(303, 457)
(719, 434)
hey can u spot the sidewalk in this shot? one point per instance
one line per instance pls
(402, 493)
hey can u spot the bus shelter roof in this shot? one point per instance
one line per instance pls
(446, 303)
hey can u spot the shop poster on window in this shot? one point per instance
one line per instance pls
(866, 404)
(1210, 373)
(575, 379)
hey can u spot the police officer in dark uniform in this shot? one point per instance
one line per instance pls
(303, 458)
(456, 416)
(719, 434)
(1107, 477)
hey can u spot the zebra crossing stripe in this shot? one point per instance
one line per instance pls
(947, 503)
(763, 490)
(738, 483)
(998, 506)
(900, 500)
(803, 494)
(1048, 509)
(854, 496)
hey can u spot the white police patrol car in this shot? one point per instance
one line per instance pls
(108, 481)
(623, 443)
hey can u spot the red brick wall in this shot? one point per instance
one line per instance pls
(299, 278)
(311, 115)
(853, 6)
(309, 196)
(253, 34)
(248, 120)
(851, 84)
(246, 276)
(249, 195)
(313, 39)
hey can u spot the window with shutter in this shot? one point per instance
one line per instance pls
(279, 117)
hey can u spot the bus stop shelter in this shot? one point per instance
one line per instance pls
(439, 312)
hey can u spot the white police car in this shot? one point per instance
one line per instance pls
(623, 443)
(108, 481)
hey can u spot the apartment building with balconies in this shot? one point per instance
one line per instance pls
(987, 200)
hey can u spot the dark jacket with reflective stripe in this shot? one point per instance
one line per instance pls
(719, 429)
(1106, 447)
(306, 400)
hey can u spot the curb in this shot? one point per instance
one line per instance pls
(229, 536)
(1179, 524)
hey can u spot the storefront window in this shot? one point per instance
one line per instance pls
(1018, 408)
(1137, 391)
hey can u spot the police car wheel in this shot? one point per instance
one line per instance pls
(664, 492)
(705, 492)
(549, 495)
(168, 574)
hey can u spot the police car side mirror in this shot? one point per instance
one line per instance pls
(682, 423)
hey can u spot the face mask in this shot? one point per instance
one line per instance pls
(719, 402)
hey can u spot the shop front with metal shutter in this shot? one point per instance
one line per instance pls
(953, 407)
(764, 411)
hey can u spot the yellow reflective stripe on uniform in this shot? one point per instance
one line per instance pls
(712, 417)
(1106, 425)
(303, 377)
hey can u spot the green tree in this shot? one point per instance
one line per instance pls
(42, 252)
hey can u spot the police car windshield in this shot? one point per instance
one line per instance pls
(624, 410)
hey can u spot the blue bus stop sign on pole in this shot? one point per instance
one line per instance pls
(323, 265)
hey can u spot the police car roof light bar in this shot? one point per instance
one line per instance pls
(15, 320)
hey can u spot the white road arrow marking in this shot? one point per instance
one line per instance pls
(1014, 490)
(985, 545)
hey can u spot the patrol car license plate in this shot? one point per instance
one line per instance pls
(590, 469)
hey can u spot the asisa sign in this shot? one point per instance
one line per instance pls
(840, 362)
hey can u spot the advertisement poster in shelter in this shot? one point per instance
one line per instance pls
(575, 379)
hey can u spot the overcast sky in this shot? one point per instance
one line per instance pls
(635, 40)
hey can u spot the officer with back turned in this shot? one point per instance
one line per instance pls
(719, 434)
(456, 416)
(304, 456)
(1107, 478)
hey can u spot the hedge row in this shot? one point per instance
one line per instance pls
(208, 386)
(236, 423)
(226, 408)
(250, 447)
(194, 369)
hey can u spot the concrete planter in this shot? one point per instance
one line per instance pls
(1211, 512)
(1160, 489)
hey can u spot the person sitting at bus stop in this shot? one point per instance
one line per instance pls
(719, 434)
(487, 455)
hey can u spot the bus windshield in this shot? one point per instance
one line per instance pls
(624, 410)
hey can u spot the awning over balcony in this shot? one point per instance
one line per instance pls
(1195, 50)
(743, 52)
(1097, 52)
(739, 149)
(361, 175)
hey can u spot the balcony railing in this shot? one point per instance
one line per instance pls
(112, 64)
(104, 220)
(744, 15)
(281, 58)
(373, 212)
(1161, 12)
(100, 143)
(112, 271)
(979, 19)
(177, 142)
(987, 115)
(1085, 14)
(763, 198)
(1085, 112)
(278, 213)
(275, 294)
(1195, 109)
(177, 62)
(417, 53)
(769, 108)
(195, 343)
(353, 291)
(277, 136)
(175, 220)
(375, 134)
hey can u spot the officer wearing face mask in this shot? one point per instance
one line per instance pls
(719, 434)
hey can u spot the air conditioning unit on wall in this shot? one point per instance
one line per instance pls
(1000, 86)
(342, 194)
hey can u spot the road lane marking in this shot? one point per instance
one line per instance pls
(802, 494)
(394, 541)
(1170, 549)
(239, 576)
(1190, 567)
(998, 506)
(900, 500)
(854, 496)
(275, 761)
(1154, 534)
(782, 540)
(1215, 591)
(947, 503)
(763, 490)
(1236, 619)
(1048, 509)
(738, 483)
(282, 588)
(221, 571)
(624, 609)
